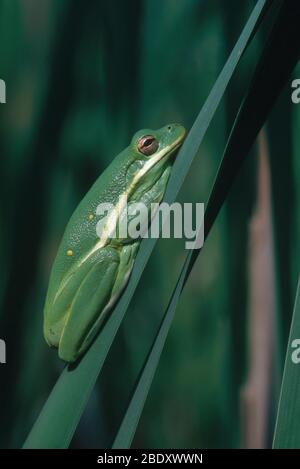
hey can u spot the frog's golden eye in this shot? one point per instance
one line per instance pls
(147, 145)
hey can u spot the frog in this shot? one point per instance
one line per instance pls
(91, 268)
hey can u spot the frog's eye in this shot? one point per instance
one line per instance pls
(147, 145)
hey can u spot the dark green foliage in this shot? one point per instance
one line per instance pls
(81, 78)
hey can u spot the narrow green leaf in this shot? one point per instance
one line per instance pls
(261, 96)
(287, 429)
(128, 426)
(61, 413)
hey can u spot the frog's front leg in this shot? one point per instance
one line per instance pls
(95, 298)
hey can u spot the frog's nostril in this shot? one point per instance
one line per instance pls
(169, 128)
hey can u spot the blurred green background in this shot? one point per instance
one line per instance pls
(81, 78)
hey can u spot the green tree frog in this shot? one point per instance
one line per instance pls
(90, 271)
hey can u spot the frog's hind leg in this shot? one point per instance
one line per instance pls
(127, 255)
(88, 304)
(95, 298)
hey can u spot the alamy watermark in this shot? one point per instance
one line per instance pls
(2, 92)
(295, 356)
(295, 96)
(136, 220)
(2, 351)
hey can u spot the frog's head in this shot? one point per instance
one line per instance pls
(152, 154)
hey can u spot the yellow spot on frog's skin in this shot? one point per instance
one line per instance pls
(91, 216)
(69, 252)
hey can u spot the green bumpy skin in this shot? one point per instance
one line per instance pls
(89, 273)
